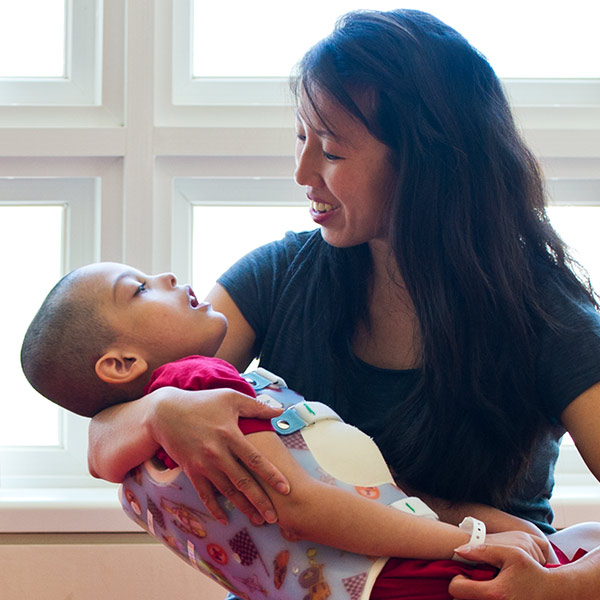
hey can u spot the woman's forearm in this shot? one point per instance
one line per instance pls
(579, 580)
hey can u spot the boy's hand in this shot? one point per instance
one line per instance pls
(199, 430)
(535, 546)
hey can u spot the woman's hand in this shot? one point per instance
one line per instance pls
(535, 546)
(520, 577)
(199, 431)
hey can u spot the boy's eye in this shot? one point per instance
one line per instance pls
(141, 288)
(330, 156)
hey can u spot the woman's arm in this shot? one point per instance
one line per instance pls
(199, 431)
(521, 577)
(325, 514)
(582, 420)
(237, 347)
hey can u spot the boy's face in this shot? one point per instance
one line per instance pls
(165, 321)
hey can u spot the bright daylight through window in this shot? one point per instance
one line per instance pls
(32, 47)
(521, 39)
(31, 241)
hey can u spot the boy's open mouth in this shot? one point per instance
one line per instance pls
(192, 297)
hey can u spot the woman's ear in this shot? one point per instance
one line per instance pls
(116, 366)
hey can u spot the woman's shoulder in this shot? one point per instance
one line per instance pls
(295, 244)
(569, 306)
(569, 346)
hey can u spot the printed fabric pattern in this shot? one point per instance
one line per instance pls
(251, 561)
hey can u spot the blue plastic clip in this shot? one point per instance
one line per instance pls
(288, 422)
(258, 382)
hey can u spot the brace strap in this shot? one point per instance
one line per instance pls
(302, 414)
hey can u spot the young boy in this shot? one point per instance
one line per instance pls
(107, 334)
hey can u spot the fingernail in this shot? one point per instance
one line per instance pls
(257, 519)
(282, 488)
(270, 516)
(462, 549)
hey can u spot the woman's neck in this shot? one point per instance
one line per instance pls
(390, 339)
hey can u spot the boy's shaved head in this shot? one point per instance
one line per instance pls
(60, 349)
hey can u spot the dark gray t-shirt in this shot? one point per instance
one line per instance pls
(279, 290)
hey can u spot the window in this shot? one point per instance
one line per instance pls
(245, 47)
(238, 64)
(225, 227)
(53, 59)
(47, 229)
(134, 144)
(24, 229)
(32, 48)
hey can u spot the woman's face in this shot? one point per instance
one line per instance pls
(348, 175)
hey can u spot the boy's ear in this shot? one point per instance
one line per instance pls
(116, 366)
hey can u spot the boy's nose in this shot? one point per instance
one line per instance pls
(167, 279)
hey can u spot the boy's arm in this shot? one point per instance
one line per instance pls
(199, 430)
(325, 514)
(120, 439)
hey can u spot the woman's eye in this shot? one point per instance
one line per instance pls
(300, 137)
(141, 288)
(330, 156)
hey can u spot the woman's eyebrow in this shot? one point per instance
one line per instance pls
(322, 131)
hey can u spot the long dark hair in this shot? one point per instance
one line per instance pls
(469, 232)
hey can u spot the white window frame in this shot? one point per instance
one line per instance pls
(148, 142)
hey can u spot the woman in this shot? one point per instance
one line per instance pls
(436, 308)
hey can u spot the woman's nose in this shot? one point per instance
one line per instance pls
(307, 168)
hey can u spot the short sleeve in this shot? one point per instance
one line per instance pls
(254, 282)
(569, 360)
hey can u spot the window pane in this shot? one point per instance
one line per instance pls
(31, 242)
(578, 226)
(521, 39)
(32, 38)
(222, 234)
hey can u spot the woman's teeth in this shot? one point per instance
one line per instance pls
(320, 207)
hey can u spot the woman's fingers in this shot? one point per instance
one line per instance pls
(519, 577)
(200, 431)
(238, 484)
(208, 491)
